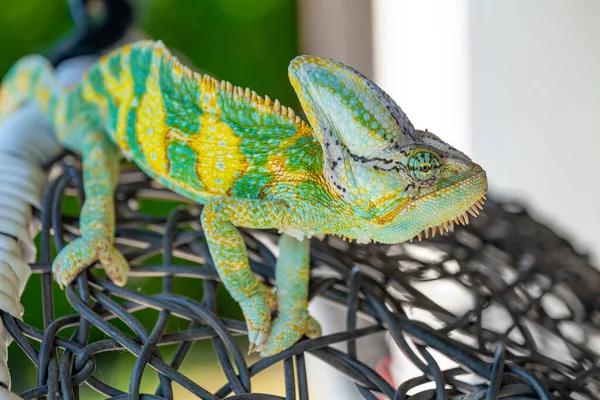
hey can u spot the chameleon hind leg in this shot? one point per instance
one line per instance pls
(293, 320)
(97, 222)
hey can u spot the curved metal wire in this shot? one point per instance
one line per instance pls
(505, 260)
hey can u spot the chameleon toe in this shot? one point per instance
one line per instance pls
(115, 265)
(313, 328)
(258, 318)
(73, 259)
(287, 329)
(81, 253)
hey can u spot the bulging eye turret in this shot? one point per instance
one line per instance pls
(424, 167)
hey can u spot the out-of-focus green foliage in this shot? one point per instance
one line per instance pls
(248, 42)
(30, 26)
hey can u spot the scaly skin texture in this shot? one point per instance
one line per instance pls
(359, 170)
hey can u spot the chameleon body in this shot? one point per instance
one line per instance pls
(359, 170)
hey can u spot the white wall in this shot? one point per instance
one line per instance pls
(516, 84)
(535, 106)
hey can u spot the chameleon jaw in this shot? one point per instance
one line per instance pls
(447, 225)
(444, 227)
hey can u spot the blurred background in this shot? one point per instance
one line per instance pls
(513, 84)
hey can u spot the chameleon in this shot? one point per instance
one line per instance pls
(355, 167)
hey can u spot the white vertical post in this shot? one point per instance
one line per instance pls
(421, 59)
(338, 29)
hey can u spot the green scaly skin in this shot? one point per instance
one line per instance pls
(359, 170)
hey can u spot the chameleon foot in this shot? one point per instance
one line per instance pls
(287, 329)
(82, 252)
(257, 312)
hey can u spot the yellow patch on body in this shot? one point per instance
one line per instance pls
(121, 91)
(23, 81)
(151, 129)
(6, 103)
(277, 166)
(124, 94)
(91, 96)
(43, 98)
(220, 161)
(60, 114)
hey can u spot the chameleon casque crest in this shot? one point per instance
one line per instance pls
(358, 169)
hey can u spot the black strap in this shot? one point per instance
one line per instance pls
(91, 37)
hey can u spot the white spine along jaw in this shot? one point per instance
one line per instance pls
(448, 225)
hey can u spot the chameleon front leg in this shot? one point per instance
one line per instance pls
(292, 274)
(97, 222)
(228, 251)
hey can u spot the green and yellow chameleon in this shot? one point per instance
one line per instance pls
(359, 170)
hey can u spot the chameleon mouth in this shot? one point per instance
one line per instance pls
(448, 225)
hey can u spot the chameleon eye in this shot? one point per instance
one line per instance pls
(424, 167)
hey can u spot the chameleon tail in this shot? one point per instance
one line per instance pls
(30, 78)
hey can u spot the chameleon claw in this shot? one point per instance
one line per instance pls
(262, 338)
(251, 338)
(257, 337)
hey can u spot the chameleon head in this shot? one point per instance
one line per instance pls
(443, 187)
(399, 182)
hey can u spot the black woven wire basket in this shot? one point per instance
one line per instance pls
(517, 272)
